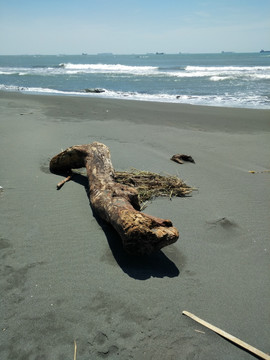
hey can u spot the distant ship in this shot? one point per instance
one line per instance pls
(159, 53)
(265, 52)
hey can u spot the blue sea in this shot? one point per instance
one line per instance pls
(225, 79)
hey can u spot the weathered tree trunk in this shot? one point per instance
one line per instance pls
(116, 203)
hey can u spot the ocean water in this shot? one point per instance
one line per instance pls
(225, 79)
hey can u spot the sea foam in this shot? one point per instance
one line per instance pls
(215, 73)
(109, 68)
(225, 100)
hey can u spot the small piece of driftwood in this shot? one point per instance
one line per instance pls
(228, 336)
(116, 203)
(61, 183)
(75, 350)
(180, 158)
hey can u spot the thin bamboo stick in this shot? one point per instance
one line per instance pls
(75, 350)
(228, 336)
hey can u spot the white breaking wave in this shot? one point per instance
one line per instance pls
(227, 68)
(220, 73)
(226, 100)
(261, 76)
(22, 71)
(34, 90)
(221, 78)
(7, 72)
(214, 73)
(110, 68)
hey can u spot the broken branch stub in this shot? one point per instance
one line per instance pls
(116, 203)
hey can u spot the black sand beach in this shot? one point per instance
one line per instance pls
(64, 276)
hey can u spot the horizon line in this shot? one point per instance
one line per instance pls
(140, 53)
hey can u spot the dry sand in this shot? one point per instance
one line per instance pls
(64, 276)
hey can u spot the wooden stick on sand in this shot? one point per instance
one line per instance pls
(231, 338)
(75, 350)
(61, 183)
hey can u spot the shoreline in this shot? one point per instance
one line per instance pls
(207, 116)
(109, 98)
(64, 276)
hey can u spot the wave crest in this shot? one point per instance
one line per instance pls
(214, 73)
(109, 68)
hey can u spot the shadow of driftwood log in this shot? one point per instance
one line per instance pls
(138, 267)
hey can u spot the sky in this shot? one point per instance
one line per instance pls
(133, 26)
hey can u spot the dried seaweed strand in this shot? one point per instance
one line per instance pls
(150, 185)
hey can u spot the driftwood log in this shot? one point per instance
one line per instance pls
(116, 203)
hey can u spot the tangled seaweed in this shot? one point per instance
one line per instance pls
(150, 185)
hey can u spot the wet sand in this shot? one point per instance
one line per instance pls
(64, 276)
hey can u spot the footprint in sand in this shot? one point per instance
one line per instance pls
(103, 345)
(224, 222)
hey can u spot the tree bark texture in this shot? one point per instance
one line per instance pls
(116, 203)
